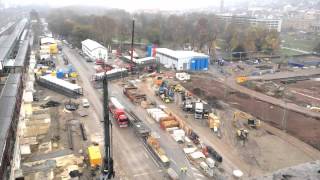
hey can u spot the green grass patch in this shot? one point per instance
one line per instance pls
(288, 52)
(303, 42)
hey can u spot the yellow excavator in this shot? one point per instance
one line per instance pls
(241, 79)
(252, 121)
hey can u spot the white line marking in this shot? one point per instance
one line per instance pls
(198, 174)
(146, 155)
(141, 174)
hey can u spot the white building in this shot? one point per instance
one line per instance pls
(182, 60)
(94, 50)
(271, 24)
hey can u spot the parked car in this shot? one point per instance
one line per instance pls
(85, 103)
(50, 104)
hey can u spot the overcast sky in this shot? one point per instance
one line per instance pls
(129, 5)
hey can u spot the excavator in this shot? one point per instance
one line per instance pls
(252, 121)
(241, 132)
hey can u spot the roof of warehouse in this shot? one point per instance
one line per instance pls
(22, 53)
(61, 82)
(10, 90)
(6, 107)
(7, 42)
(4, 125)
(13, 78)
(179, 54)
(91, 45)
(47, 40)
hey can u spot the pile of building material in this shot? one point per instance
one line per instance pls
(134, 94)
(154, 146)
(308, 170)
(183, 76)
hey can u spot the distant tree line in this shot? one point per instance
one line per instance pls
(197, 30)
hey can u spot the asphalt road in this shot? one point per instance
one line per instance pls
(172, 148)
(132, 144)
(132, 161)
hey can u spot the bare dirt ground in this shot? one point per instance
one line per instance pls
(263, 152)
(303, 93)
(305, 128)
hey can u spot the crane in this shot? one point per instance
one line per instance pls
(107, 171)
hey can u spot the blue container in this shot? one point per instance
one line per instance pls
(193, 65)
(197, 64)
(149, 50)
(203, 61)
(60, 74)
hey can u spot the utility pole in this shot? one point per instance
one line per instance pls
(132, 39)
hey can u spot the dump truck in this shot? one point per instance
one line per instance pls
(134, 94)
(198, 110)
(118, 112)
(188, 105)
(94, 155)
(213, 122)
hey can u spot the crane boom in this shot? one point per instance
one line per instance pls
(107, 169)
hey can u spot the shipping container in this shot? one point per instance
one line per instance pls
(199, 64)
(149, 50)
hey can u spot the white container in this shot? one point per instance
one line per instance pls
(204, 166)
(210, 162)
(159, 116)
(152, 110)
(155, 112)
(179, 132)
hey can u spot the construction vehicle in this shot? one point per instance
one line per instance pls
(118, 112)
(241, 79)
(198, 110)
(194, 138)
(165, 92)
(206, 111)
(158, 80)
(178, 88)
(242, 134)
(214, 122)
(251, 121)
(187, 105)
(209, 151)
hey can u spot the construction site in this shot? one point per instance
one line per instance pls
(152, 113)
